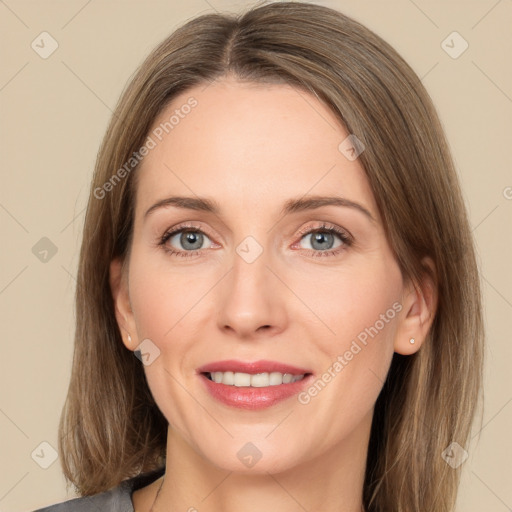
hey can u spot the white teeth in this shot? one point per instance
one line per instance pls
(258, 380)
(242, 379)
(227, 378)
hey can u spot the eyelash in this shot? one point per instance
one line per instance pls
(346, 239)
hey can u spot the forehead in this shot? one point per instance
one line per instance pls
(245, 142)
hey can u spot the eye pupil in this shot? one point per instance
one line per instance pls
(193, 238)
(322, 238)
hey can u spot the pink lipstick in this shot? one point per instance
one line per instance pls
(253, 385)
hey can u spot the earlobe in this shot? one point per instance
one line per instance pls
(419, 310)
(123, 312)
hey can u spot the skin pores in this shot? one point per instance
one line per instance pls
(250, 148)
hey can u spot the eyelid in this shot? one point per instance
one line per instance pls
(191, 225)
(327, 226)
(185, 226)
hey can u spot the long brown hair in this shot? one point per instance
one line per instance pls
(111, 428)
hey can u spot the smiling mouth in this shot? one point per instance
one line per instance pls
(256, 380)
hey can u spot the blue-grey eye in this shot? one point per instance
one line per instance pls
(322, 240)
(190, 240)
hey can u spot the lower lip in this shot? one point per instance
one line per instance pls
(246, 397)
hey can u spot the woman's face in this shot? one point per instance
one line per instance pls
(270, 276)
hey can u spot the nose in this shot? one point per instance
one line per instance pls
(252, 299)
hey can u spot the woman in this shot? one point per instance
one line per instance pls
(318, 345)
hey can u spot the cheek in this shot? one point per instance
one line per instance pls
(162, 304)
(362, 312)
(160, 298)
(359, 309)
(351, 303)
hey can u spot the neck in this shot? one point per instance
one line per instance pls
(331, 482)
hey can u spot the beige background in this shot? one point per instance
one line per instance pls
(53, 115)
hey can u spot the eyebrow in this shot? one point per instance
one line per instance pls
(290, 206)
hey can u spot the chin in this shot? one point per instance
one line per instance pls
(255, 457)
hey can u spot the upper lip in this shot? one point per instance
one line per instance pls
(262, 366)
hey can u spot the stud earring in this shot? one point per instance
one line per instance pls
(411, 340)
(129, 338)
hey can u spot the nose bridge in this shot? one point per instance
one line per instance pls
(251, 297)
(250, 262)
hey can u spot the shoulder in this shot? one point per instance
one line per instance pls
(118, 499)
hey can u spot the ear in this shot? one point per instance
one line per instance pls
(125, 320)
(419, 308)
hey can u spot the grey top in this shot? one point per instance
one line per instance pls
(118, 499)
